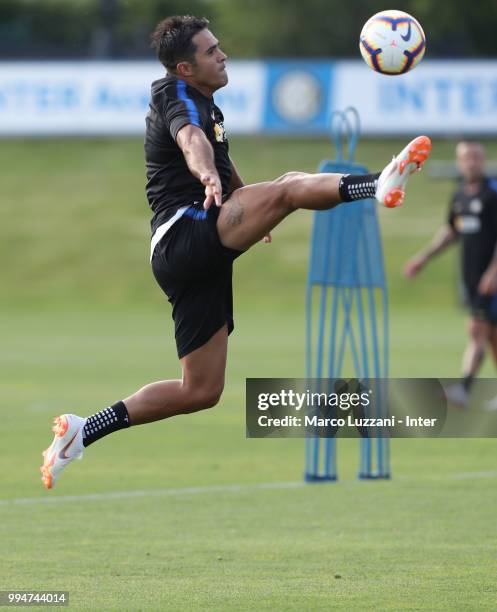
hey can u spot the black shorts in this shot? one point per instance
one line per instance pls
(482, 307)
(195, 271)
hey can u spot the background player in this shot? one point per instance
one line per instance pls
(472, 219)
(204, 218)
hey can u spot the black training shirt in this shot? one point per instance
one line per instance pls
(170, 184)
(474, 218)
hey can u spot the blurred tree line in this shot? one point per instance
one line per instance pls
(45, 29)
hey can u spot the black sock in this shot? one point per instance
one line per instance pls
(358, 186)
(106, 421)
(467, 381)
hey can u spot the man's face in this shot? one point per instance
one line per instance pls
(470, 160)
(209, 69)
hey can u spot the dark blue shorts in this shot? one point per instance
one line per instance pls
(195, 272)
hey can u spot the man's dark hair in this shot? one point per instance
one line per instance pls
(172, 39)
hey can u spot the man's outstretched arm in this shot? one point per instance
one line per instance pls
(444, 237)
(199, 157)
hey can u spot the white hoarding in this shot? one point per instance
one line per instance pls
(453, 98)
(242, 100)
(437, 97)
(50, 98)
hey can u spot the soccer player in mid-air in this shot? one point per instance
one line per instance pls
(204, 217)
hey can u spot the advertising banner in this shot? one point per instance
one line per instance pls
(274, 97)
(108, 98)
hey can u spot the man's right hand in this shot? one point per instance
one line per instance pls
(213, 189)
(413, 266)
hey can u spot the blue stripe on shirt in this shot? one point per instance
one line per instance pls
(190, 104)
(492, 183)
(195, 213)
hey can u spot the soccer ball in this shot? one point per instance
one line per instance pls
(392, 42)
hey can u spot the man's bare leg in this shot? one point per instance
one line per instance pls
(478, 337)
(253, 211)
(200, 387)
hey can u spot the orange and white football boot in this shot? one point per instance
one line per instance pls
(67, 445)
(392, 181)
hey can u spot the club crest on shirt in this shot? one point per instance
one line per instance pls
(219, 132)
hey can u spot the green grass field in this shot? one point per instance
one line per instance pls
(187, 514)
